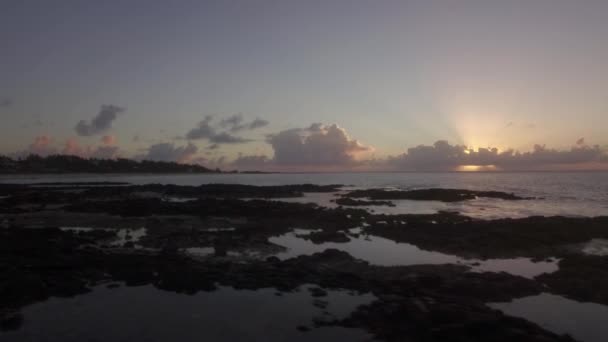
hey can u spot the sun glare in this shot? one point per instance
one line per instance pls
(474, 168)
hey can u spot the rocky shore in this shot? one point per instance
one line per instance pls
(60, 240)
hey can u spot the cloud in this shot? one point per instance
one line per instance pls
(101, 122)
(203, 130)
(258, 123)
(227, 138)
(105, 151)
(236, 123)
(108, 140)
(253, 162)
(316, 145)
(170, 153)
(72, 147)
(6, 102)
(444, 156)
(207, 130)
(41, 146)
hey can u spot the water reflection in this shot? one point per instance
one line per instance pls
(587, 322)
(384, 252)
(148, 314)
(597, 247)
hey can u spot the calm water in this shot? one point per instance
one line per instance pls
(384, 252)
(148, 314)
(568, 193)
(586, 322)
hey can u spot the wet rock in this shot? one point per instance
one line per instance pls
(321, 304)
(317, 292)
(580, 277)
(10, 321)
(443, 195)
(353, 202)
(326, 236)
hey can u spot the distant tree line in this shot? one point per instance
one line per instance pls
(74, 164)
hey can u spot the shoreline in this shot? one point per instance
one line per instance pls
(38, 248)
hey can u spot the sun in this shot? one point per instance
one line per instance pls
(476, 168)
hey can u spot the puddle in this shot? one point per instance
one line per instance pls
(123, 235)
(199, 251)
(126, 235)
(384, 252)
(323, 199)
(587, 322)
(179, 199)
(214, 230)
(148, 314)
(524, 267)
(81, 229)
(597, 247)
(375, 250)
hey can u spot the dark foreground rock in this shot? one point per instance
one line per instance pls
(536, 237)
(443, 195)
(353, 202)
(433, 301)
(580, 277)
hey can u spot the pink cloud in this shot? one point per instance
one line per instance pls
(72, 147)
(108, 140)
(41, 146)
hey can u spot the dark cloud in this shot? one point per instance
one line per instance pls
(227, 138)
(207, 130)
(203, 130)
(233, 123)
(444, 156)
(171, 153)
(236, 123)
(258, 123)
(315, 145)
(101, 122)
(6, 102)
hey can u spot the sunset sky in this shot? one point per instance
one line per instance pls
(309, 85)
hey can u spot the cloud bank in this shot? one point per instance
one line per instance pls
(444, 156)
(100, 123)
(45, 145)
(316, 145)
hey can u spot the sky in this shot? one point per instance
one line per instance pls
(309, 85)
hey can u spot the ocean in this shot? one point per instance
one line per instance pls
(555, 193)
